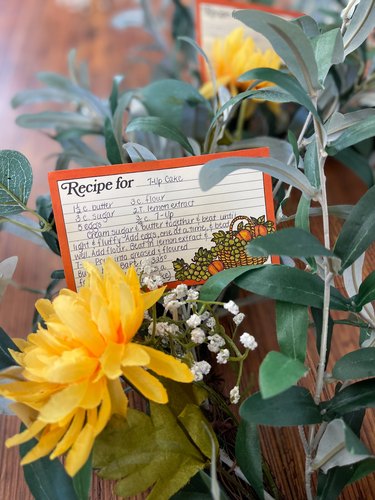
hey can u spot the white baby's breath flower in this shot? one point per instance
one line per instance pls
(192, 294)
(152, 283)
(223, 356)
(248, 341)
(198, 336)
(216, 342)
(194, 321)
(168, 298)
(205, 315)
(234, 395)
(181, 291)
(163, 329)
(173, 305)
(211, 322)
(146, 315)
(232, 307)
(238, 318)
(200, 368)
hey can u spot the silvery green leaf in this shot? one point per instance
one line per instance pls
(7, 268)
(341, 211)
(311, 164)
(339, 446)
(130, 18)
(308, 25)
(279, 149)
(16, 178)
(329, 50)
(138, 153)
(118, 116)
(350, 129)
(34, 235)
(214, 171)
(33, 96)
(61, 119)
(352, 280)
(360, 25)
(158, 126)
(289, 41)
(286, 82)
(77, 93)
(78, 73)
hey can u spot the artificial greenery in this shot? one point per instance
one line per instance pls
(328, 76)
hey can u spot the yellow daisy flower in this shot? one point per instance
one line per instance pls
(233, 56)
(68, 383)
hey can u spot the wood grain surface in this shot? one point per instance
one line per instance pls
(36, 35)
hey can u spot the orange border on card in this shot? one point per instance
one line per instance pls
(236, 6)
(190, 161)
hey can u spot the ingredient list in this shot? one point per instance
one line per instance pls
(158, 215)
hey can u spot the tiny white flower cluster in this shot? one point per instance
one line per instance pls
(234, 395)
(222, 356)
(163, 329)
(198, 336)
(248, 341)
(199, 369)
(216, 342)
(194, 321)
(150, 278)
(232, 307)
(238, 318)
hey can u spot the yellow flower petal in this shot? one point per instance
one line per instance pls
(62, 403)
(104, 413)
(110, 360)
(150, 298)
(44, 308)
(168, 366)
(135, 355)
(147, 384)
(75, 317)
(119, 401)
(80, 451)
(24, 436)
(71, 434)
(71, 366)
(94, 394)
(46, 443)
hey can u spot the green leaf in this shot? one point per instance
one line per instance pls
(357, 164)
(289, 41)
(363, 469)
(311, 164)
(113, 98)
(302, 214)
(358, 231)
(284, 81)
(360, 26)
(216, 170)
(16, 178)
(293, 407)
(7, 268)
(317, 315)
(349, 129)
(47, 479)
(167, 99)
(215, 285)
(289, 284)
(291, 241)
(147, 452)
(193, 420)
(329, 50)
(118, 117)
(44, 208)
(6, 343)
(278, 372)
(292, 321)
(354, 397)
(366, 292)
(60, 119)
(308, 25)
(111, 146)
(249, 456)
(82, 480)
(294, 143)
(356, 364)
(198, 488)
(338, 447)
(138, 153)
(158, 126)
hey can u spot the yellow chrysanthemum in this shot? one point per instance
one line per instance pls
(232, 56)
(67, 385)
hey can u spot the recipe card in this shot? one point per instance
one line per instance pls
(156, 212)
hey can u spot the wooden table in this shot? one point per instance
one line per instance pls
(37, 35)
